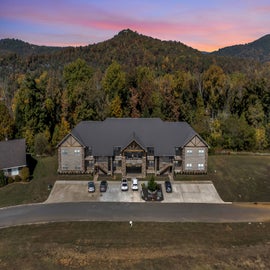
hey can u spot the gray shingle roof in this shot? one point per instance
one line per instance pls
(12, 154)
(164, 136)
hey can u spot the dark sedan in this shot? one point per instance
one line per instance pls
(168, 186)
(103, 186)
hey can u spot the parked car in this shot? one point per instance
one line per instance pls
(103, 186)
(134, 184)
(168, 186)
(91, 186)
(124, 185)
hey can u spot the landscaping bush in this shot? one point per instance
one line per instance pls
(24, 174)
(10, 180)
(17, 178)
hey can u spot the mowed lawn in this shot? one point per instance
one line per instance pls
(114, 245)
(238, 178)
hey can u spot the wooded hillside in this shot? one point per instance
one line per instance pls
(45, 92)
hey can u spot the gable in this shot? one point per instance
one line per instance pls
(70, 141)
(133, 147)
(196, 142)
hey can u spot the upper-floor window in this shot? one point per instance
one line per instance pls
(189, 165)
(77, 152)
(200, 165)
(64, 152)
(201, 151)
(189, 151)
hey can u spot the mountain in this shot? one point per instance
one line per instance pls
(21, 48)
(129, 48)
(258, 50)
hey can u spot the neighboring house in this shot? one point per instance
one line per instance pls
(12, 156)
(129, 146)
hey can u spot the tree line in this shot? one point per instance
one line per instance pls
(229, 110)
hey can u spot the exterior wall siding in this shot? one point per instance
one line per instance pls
(195, 159)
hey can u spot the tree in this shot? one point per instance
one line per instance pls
(214, 81)
(30, 110)
(114, 82)
(116, 110)
(77, 78)
(6, 122)
(41, 144)
(237, 134)
(60, 131)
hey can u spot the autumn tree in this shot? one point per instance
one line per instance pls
(214, 81)
(77, 78)
(30, 111)
(6, 122)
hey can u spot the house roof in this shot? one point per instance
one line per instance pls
(103, 136)
(12, 154)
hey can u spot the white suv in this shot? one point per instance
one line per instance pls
(134, 184)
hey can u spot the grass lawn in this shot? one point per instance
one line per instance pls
(242, 178)
(113, 245)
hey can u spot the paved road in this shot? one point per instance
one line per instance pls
(157, 212)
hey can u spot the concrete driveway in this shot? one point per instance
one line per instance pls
(184, 192)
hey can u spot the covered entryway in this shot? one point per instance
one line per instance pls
(134, 169)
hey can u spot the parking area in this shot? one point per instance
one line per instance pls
(184, 192)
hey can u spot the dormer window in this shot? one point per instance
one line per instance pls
(116, 150)
(150, 151)
(177, 151)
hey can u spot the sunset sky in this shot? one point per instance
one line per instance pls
(206, 25)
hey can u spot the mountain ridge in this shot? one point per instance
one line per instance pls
(258, 49)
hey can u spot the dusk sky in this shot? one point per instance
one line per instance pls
(206, 25)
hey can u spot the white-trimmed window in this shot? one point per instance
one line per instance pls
(189, 165)
(14, 171)
(201, 151)
(77, 152)
(189, 151)
(201, 166)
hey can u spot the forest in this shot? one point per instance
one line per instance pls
(44, 94)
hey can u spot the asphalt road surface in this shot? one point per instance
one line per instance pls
(116, 211)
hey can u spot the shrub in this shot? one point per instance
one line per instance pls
(17, 178)
(10, 180)
(24, 173)
(3, 180)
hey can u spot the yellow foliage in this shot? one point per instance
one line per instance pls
(261, 140)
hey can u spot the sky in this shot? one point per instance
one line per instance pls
(206, 25)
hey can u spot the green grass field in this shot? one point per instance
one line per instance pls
(114, 245)
(237, 178)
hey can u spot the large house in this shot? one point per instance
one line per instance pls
(131, 146)
(12, 156)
